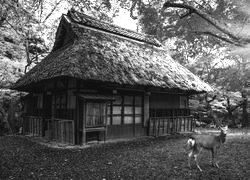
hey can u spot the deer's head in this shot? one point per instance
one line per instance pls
(224, 129)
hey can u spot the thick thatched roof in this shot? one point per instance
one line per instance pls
(107, 53)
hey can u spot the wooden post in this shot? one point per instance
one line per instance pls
(29, 127)
(57, 130)
(163, 128)
(77, 117)
(167, 119)
(68, 135)
(62, 131)
(159, 123)
(146, 111)
(33, 126)
(73, 130)
(150, 127)
(105, 121)
(191, 124)
(176, 125)
(179, 124)
(49, 129)
(39, 126)
(184, 119)
(36, 125)
(134, 129)
(84, 107)
(154, 126)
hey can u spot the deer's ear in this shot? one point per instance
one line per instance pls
(224, 128)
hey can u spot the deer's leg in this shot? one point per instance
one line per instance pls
(215, 162)
(212, 151)
(189, 158)
(196, 159)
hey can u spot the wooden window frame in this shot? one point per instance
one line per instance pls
(105, 115)
(134, 105)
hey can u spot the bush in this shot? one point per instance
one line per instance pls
(11, 108)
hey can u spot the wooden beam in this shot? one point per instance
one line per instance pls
(134, 116)
(146, 110)
(73, 129)
(84, 107)
(77, 111)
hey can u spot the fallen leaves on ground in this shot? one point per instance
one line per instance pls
(145, 158)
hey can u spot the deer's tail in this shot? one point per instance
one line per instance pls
(190, 143)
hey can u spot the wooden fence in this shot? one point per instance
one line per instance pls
(33, 125)
(168, 125)
(61, 130)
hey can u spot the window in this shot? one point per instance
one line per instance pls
(128, 109)
(96, 114)
(125, 110)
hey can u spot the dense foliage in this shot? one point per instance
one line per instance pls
(211, 39)
(217, 55)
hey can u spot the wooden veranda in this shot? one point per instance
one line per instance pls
(58, 130)
(159, 126)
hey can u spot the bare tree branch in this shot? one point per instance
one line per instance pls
(216, 36)
(186, 14)
(235, 107)
(51, 12)
(218, 25)
(13, 27)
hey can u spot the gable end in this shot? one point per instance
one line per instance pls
(64, 35)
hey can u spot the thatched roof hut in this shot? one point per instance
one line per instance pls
(89, 49)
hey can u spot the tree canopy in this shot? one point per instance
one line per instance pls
(209, 37)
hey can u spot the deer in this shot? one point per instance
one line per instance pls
(210, 142)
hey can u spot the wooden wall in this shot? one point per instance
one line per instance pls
(167, 101)
(126, 131)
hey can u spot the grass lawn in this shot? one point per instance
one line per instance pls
(147, 158)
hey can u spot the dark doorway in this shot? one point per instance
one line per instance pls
(47, 111)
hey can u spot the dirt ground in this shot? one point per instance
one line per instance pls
(146, 158)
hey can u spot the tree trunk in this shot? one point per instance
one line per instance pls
(244, 113)
(230, 118)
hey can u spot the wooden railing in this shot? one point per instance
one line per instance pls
(159, 126)
(60, 130)
(33, 125)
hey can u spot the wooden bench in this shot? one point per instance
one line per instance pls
(97, 129)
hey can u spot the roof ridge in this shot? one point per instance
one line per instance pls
(144, 34)
(84, 19)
